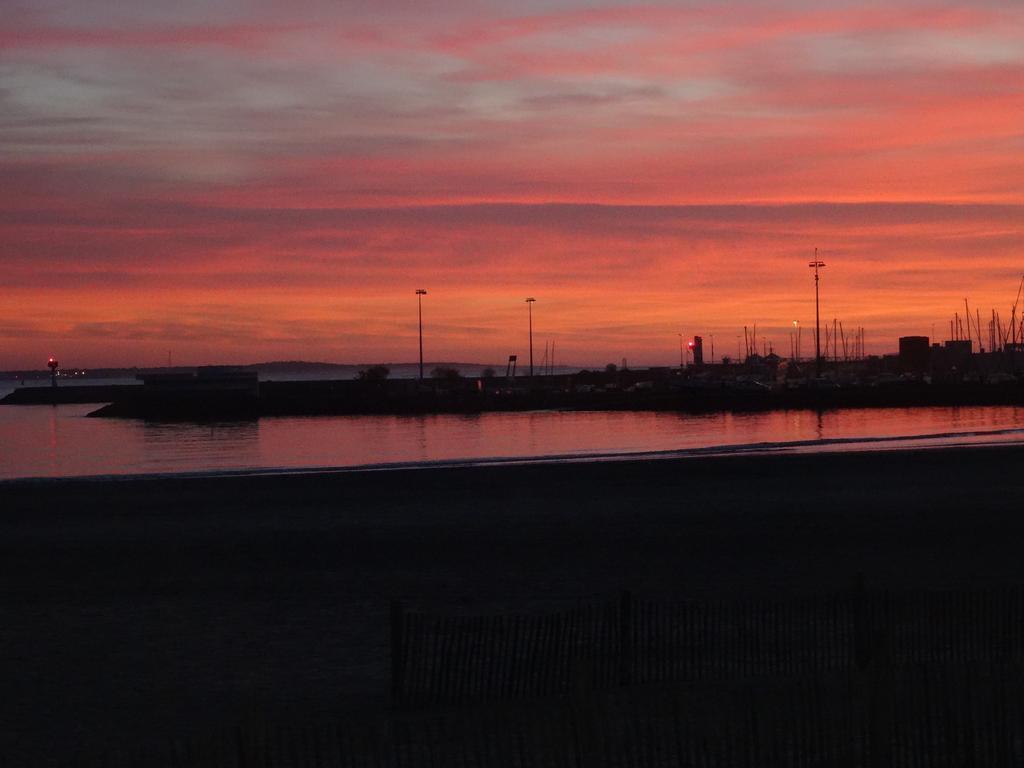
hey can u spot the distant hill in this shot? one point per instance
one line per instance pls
(281, 369)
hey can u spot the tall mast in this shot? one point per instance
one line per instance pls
(817, 264)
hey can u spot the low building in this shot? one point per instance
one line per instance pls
(915, 354)
(210, 378)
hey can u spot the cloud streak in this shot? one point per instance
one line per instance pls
(645, 168)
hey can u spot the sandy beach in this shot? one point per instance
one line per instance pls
(139, 610)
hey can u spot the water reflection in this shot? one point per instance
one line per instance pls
(228, 445)
(52, 441)
(419, 434)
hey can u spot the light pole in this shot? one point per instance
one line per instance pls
(817, 315)
(529, 303)
(420, 293)
(681, 364)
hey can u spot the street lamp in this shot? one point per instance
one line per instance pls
(420, 293)
(817, 316)
(529, 303)
(681, 364)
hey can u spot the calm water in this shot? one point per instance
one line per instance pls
(48, 441)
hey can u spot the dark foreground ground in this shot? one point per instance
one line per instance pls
(142, 610)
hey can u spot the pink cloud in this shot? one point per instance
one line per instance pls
(281, 181)
(239, 36)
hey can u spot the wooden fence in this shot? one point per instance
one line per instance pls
(864, 678)
(450, 660)
(918, 716)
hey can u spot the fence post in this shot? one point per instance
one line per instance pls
(872, 656)
(397, 649)
(625, 638)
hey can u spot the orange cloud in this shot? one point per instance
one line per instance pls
(275, 183)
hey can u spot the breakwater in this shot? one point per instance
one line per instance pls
(314, 398)
(572, 392)
(76, 394)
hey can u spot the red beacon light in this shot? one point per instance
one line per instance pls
(52, 364)
(689, 344)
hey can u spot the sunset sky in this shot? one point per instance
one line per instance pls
(237, 182)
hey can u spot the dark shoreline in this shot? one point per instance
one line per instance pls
(143, 609)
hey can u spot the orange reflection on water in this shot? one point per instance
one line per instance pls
(61, 441)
